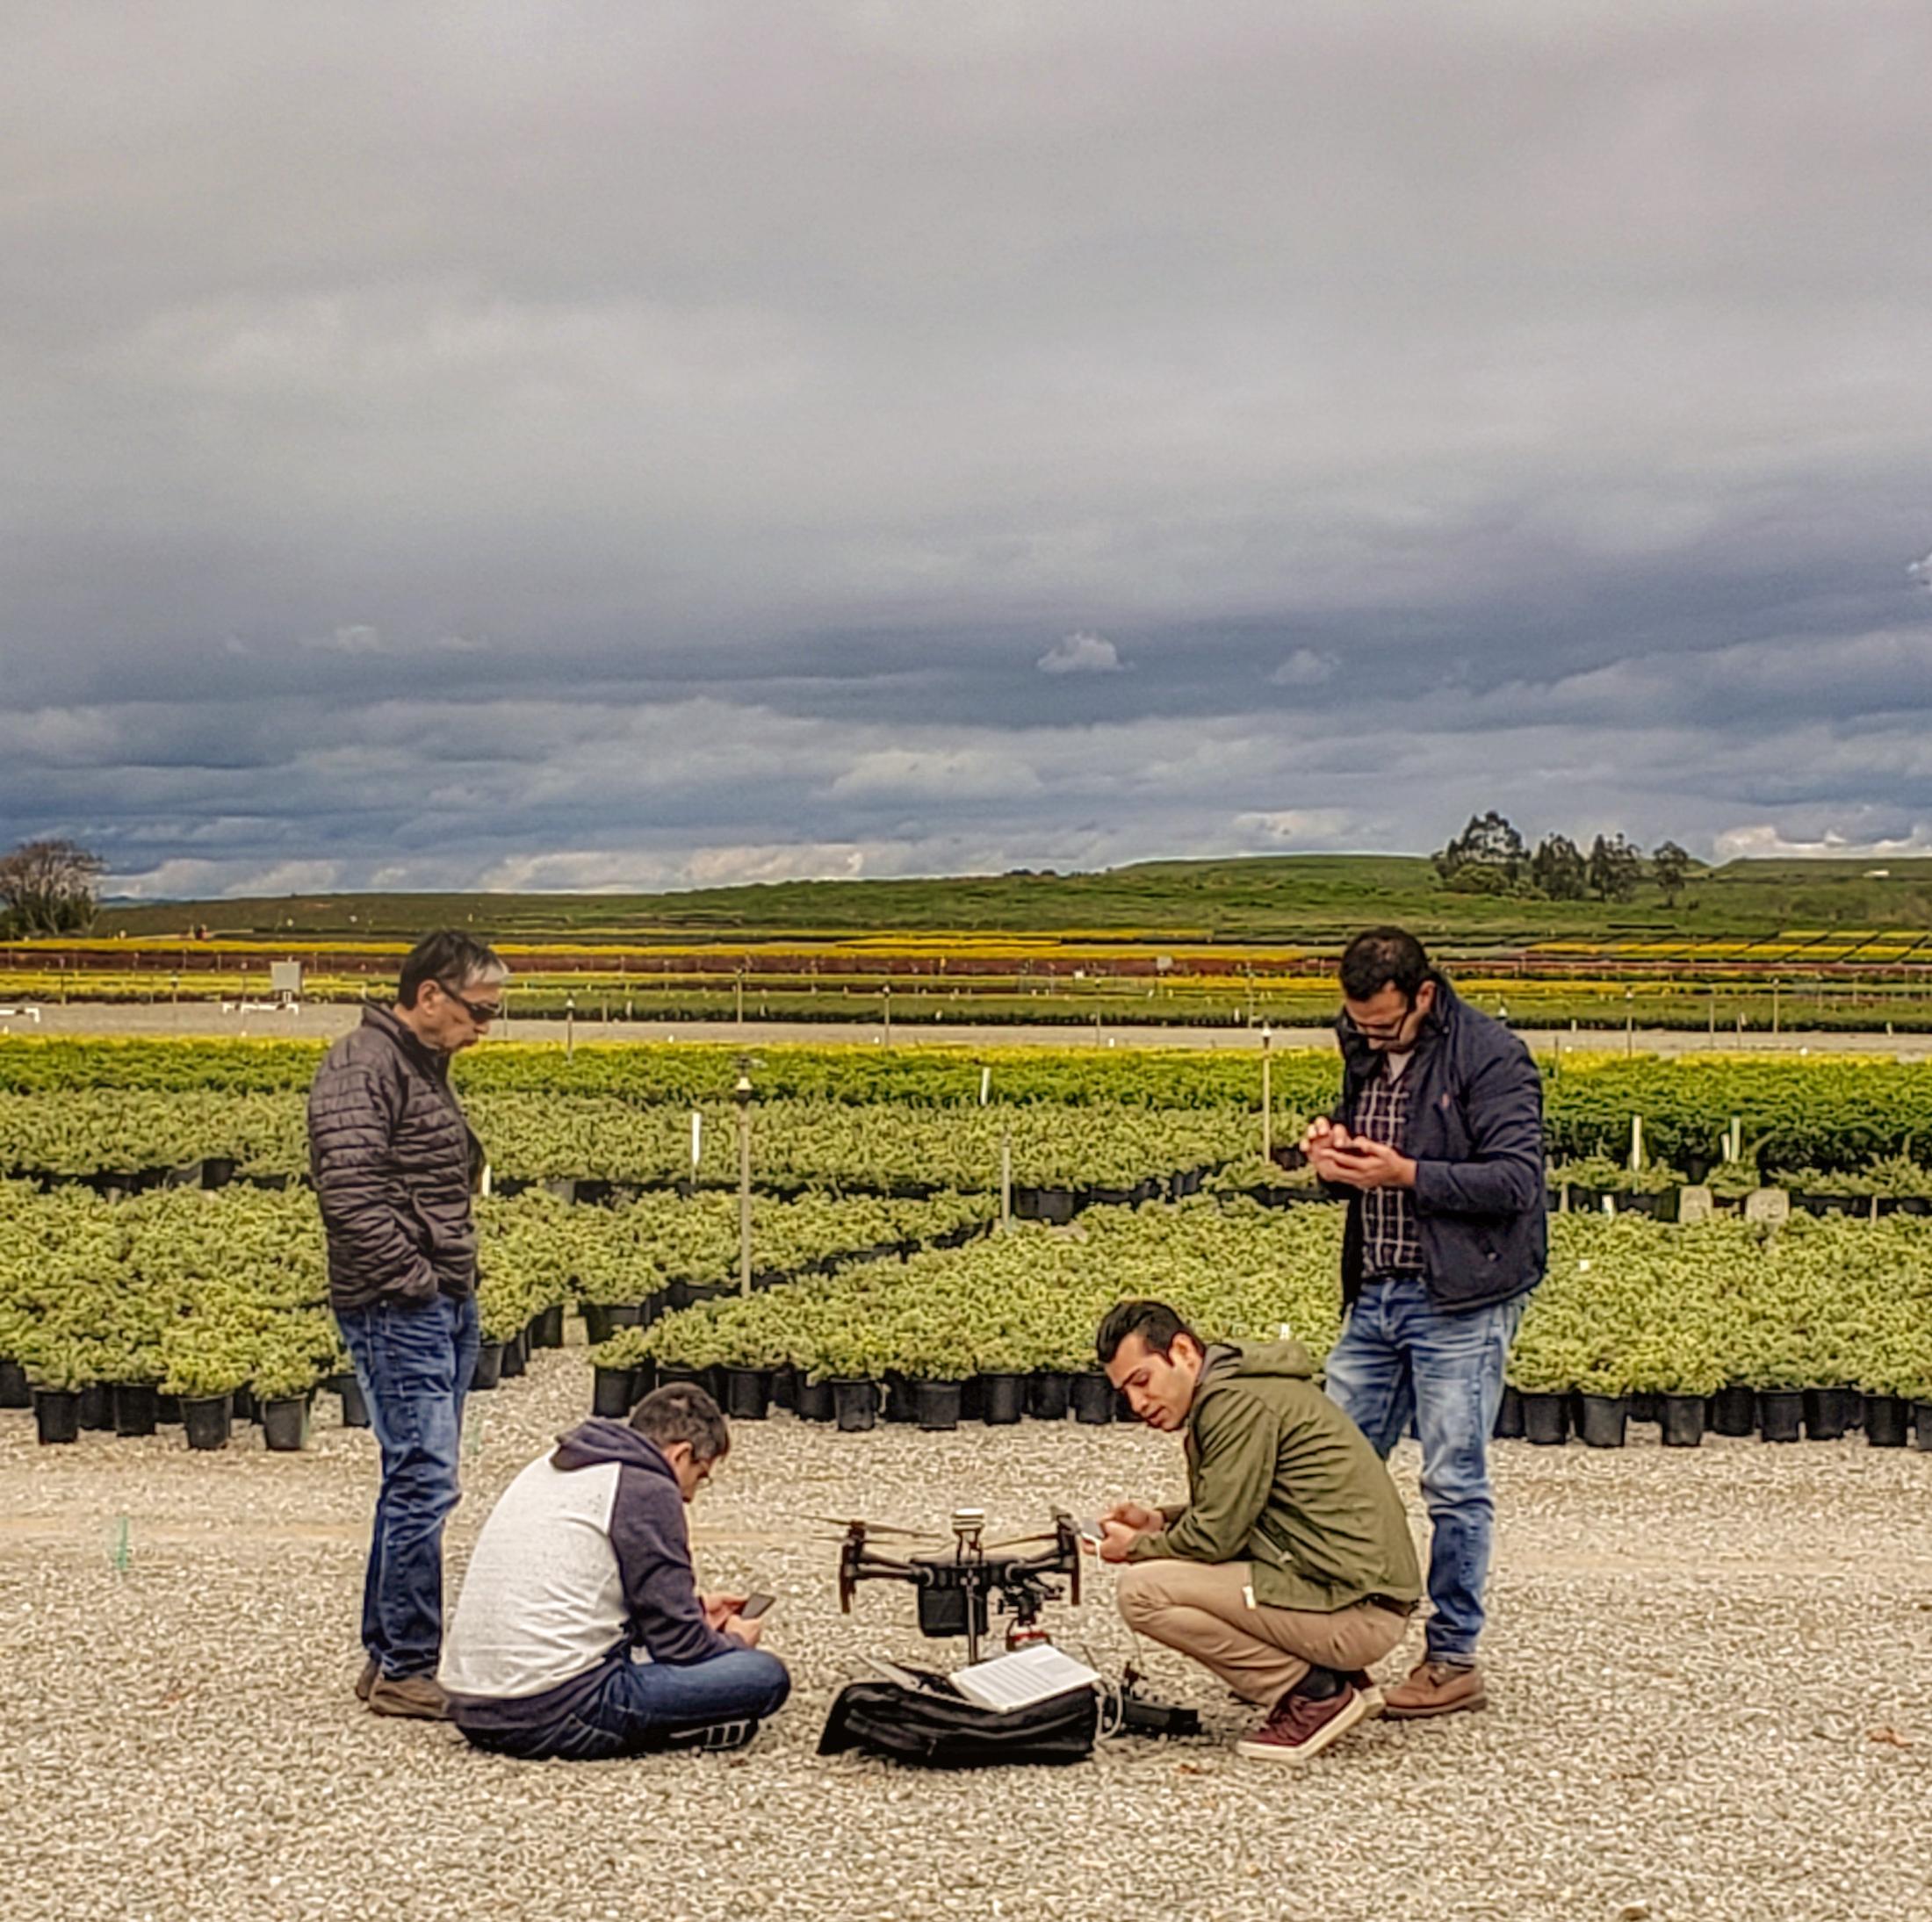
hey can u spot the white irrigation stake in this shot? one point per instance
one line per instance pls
(1005, 1176)
(486, 1180)
(986, 1085)
(1636, 1144)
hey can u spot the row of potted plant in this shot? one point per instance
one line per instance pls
(1630, 1306)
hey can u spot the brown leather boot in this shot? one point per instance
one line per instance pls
(414, 1695)
(367, 1679)
(1435, 1688)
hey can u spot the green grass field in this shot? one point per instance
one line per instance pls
(1317, 899)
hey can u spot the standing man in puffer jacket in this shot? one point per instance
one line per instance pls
(394, 1163)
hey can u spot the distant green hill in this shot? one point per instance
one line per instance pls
(1313, 898)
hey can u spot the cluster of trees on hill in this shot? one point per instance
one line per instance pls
(1489, 857)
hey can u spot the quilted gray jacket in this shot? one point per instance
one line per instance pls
(391, 1158)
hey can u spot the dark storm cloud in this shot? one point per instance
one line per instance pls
(591, 444)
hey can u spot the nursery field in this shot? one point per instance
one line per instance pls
(919, 1250)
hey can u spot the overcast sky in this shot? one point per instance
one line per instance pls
(552, 445)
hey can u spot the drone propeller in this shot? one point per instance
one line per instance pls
(847, 1524)
(1022, 1541)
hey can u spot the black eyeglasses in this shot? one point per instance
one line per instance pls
(482, 1013)
(1379, 1031)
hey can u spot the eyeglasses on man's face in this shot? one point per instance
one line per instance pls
(1380, 1031)
(482, 1013)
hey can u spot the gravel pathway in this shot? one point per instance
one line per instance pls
(1711, 1679)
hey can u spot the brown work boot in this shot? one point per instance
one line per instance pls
(367, 1679)
(1435, 1688)
(416, 1696)
(1299, 1727)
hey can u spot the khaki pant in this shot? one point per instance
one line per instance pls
(1200, 1609)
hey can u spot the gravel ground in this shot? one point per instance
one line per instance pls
(1710, 1678)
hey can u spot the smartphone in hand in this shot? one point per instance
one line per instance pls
(754, 1607)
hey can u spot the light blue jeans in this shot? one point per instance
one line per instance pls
(1402, 1359)
(413, 1362)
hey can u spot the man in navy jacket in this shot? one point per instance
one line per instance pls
(1438, 1142)
(581, 1633)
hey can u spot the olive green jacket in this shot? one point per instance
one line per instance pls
(1279, 1477)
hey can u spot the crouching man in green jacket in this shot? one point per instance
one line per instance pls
(1291, 1568)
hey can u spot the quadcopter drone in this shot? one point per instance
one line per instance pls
(959, 1587)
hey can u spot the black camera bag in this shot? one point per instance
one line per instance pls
(935, 1730)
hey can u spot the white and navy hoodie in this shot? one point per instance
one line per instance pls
(585, 1560)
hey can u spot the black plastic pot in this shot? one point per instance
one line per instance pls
(1509, 1417)
(855, 1406)
(972, 1399)
(748, 1394)
(623, 1315)
(937, 1404)
(1629, 1201)
(1829, 1412)
(1734, 1411)
(1921, 1426)
(1780, 1414)
(57, 1413)
(705, 1379)
(546, 1327)
(898, 1399)
(489, 1366)
(206, 1418)
(1605, 1419)
(784, 1388)
(285, 1424)
(1814, 1203)
(1646, 1405)
(1546, 1420)
(1093, 1399)
(96, 1406)
(355, 1405)
(14, 1390)
(1006, 1400)
(597, 1323)
(515, 1357)
(1887, 1420)
(137, 1408)
(1054, 1205)
(815, 1400)
(613, 1392)
(1683, 1420)
(1049, 1395)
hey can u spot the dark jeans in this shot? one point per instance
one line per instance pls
(413, 1364)
(1401, 1359)
(627, 1708)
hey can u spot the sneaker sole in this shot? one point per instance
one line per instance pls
(405, 1711)
(1393, 1713)
(1268, 1752)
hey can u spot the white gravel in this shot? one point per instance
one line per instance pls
(1711, 1679)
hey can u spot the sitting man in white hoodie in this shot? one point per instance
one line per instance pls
(581, 1633)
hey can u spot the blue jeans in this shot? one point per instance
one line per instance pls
(1401, 1359)
(629, 1707)
(413, 1364)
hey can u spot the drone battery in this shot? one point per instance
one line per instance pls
(948, 1590)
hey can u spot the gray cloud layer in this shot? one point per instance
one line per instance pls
(589, 445)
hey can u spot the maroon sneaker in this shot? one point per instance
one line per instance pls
(1299, 1727)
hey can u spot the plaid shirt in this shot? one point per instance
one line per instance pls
(1390, 1242)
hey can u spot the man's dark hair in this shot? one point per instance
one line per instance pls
(451, 960)
(1385, 957)
(681, 1411)
(1154, 1322)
